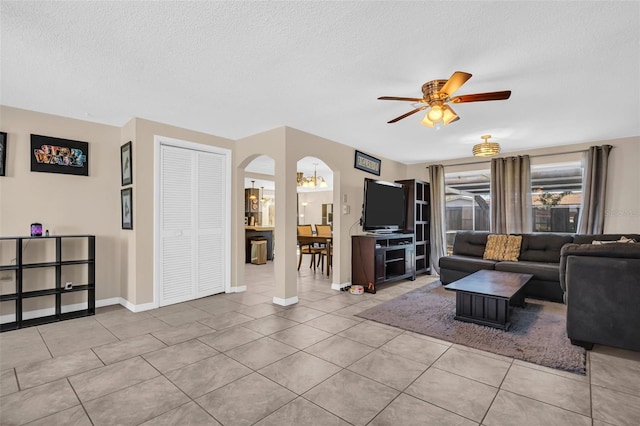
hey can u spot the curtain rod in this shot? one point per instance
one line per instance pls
(532, 156)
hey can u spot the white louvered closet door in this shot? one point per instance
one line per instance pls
(210, 215)
(191, 224)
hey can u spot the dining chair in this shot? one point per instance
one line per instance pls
(307, 230)
(327, 249)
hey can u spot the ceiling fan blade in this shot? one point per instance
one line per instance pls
(395, 98)
(407, 114)
(477, 97)
(456, 80)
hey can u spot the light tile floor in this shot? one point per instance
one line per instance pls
(238, 359)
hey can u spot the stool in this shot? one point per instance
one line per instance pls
(258, 252)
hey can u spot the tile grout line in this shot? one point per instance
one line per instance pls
(493, 400)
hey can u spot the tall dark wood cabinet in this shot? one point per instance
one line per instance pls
(419, 221)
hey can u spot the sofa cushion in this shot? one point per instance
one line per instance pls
(470, 243)
(465, 263)
(543, 247)
(540, 271)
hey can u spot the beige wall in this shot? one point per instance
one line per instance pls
(286, 146)
(68, 204)
(313, 209)
(141, 239)
(64, 204)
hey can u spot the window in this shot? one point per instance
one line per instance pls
(556, 191)
(467, 203)
(556, 194)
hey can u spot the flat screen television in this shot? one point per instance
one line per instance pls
(383, 209)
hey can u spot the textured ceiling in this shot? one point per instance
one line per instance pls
(234, 69)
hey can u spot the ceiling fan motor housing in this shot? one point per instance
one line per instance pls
(431, 91)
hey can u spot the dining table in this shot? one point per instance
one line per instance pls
(304, 240)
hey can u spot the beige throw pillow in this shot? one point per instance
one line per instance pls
(512, 248)
(494, 249)
(622, 239)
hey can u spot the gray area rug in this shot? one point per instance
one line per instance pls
(537, 333)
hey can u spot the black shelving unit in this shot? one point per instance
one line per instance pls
(20, 294)
(418, 219)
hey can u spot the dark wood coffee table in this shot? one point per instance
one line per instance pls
(484, 297)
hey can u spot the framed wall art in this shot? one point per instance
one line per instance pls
(3, 153)
(55, 155)
(367, 163)
(126, 168)
(126, 204)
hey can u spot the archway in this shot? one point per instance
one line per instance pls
(315, 210)
(259, 198)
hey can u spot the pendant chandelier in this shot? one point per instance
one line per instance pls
(252, 195)
(311, 182)
(486, 149)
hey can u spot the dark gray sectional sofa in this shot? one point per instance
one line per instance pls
(539, 255)
(602, 284)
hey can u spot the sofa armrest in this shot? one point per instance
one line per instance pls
(603, 295)
(614, 250)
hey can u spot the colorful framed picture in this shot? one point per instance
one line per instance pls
(55, 155)
(126, 168)
(126, 204)
(367, 163)
(3, 153)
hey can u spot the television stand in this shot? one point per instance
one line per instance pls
(378, 259)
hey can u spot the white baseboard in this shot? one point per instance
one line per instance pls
(78, 307)
(108, 302)
(238, 289)
(285, 302)
(137, 308)
(27, 315)
(338, 286)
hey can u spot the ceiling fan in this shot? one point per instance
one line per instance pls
(436, 95)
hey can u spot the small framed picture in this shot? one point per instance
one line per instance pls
(367, 163)
(126, 203)
(3, 153)
(126, 168)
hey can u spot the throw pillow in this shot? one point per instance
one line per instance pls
(495, 247)
(512, 248)
(622, 239)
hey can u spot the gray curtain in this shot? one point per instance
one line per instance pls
(438, 234)
(511, 195)
(594, 188)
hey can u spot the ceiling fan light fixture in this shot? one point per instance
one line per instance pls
(426, 122)
(437, 95)
(448, 115)
(486, 149)
(435, 114)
